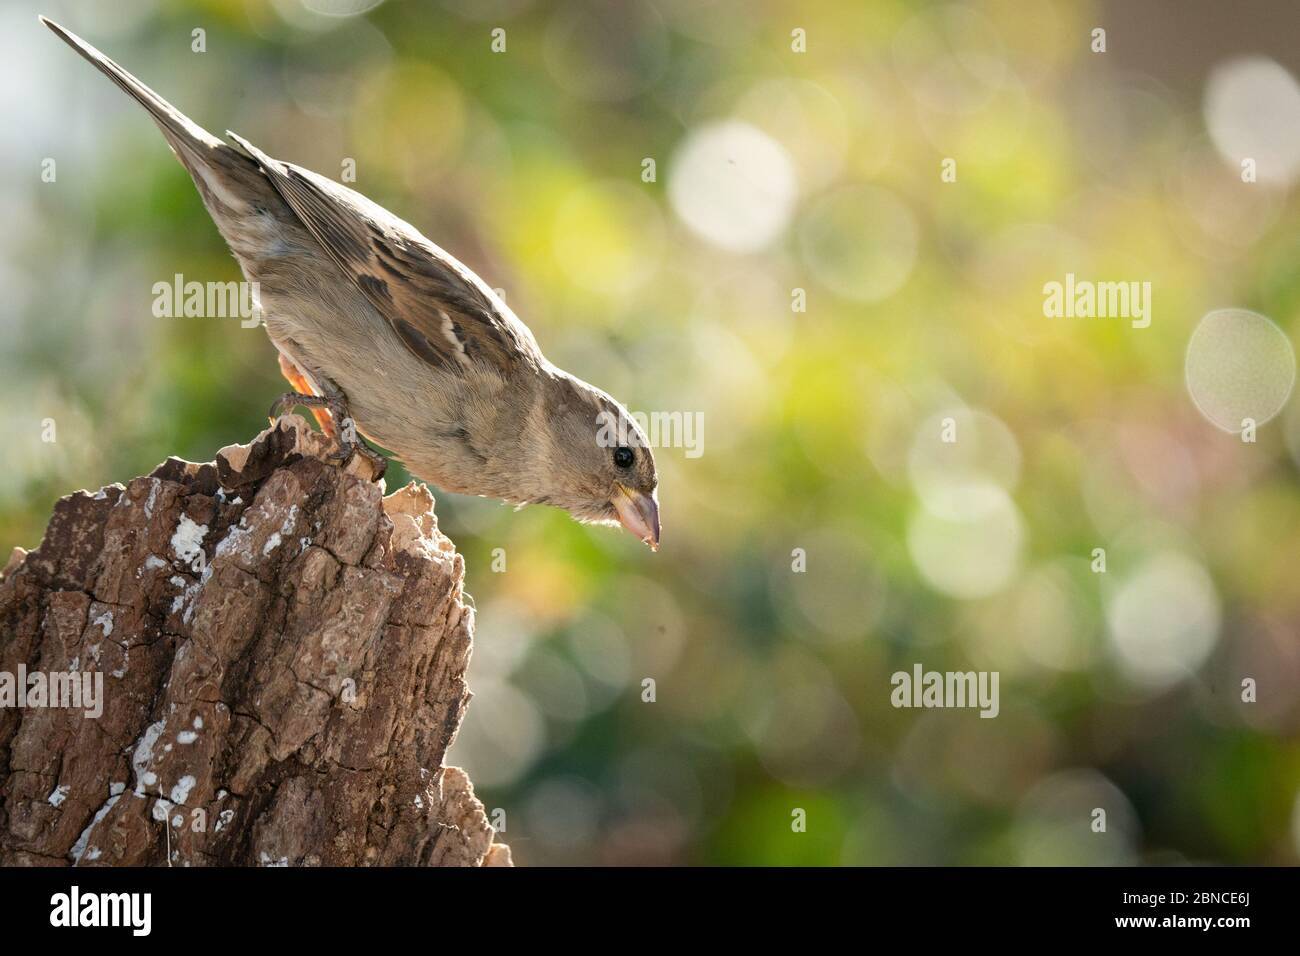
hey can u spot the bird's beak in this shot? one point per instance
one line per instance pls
(639, 513)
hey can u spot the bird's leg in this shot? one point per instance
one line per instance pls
(349, 440)
(302, 386)
(335, 404)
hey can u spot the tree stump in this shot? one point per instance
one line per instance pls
(281, 653)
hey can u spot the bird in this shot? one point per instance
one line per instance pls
(385, 335)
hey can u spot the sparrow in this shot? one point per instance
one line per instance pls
(381, 332)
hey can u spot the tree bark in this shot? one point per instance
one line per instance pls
(282, 653)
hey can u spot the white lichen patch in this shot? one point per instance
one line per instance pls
(286, 527)
(235, 543)
(188, 591)
(181, 792)
(153, 497)
(78, 850)
(187, 542)
(143, 755)
(58, 795)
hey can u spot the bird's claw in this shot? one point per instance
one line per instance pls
(349, 441)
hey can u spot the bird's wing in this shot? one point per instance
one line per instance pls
(440, 310)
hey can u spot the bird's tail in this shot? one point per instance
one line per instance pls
(189, 139)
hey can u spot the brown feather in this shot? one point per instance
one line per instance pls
(441, 311)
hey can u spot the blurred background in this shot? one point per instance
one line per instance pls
(796, 272)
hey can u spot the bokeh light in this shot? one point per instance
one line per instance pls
(1164, 619)
(1252, 111)
(1059, 821)
(733, 185)
(972, 556)
(1239, 366)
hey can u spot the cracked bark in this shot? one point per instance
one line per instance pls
(282, 651)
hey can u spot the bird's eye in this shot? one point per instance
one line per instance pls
(623, 456)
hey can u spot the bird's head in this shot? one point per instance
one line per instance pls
(598, 461)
